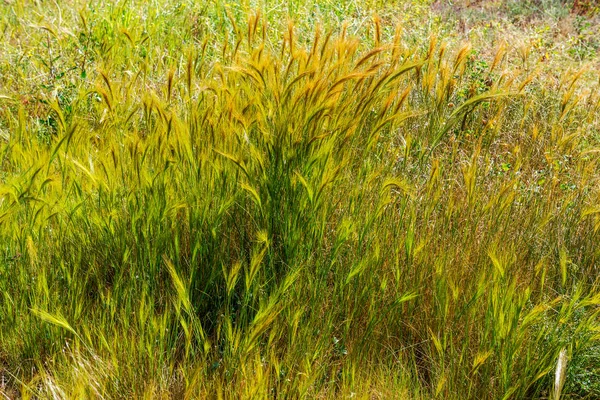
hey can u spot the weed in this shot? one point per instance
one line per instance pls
(203, 201)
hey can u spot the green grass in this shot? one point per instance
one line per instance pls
(258, 200)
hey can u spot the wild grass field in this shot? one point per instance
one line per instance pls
(299, 199)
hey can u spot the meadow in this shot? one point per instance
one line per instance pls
(303, 199)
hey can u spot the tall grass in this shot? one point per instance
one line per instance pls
(272, 213)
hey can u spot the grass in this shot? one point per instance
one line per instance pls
(258, 200)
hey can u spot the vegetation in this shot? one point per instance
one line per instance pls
(311, 200)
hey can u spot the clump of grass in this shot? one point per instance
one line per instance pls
(269, 213)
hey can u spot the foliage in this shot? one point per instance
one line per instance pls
(289, 209)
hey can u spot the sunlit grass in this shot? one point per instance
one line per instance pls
(216, 202)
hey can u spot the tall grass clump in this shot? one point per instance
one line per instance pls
(268, 213)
